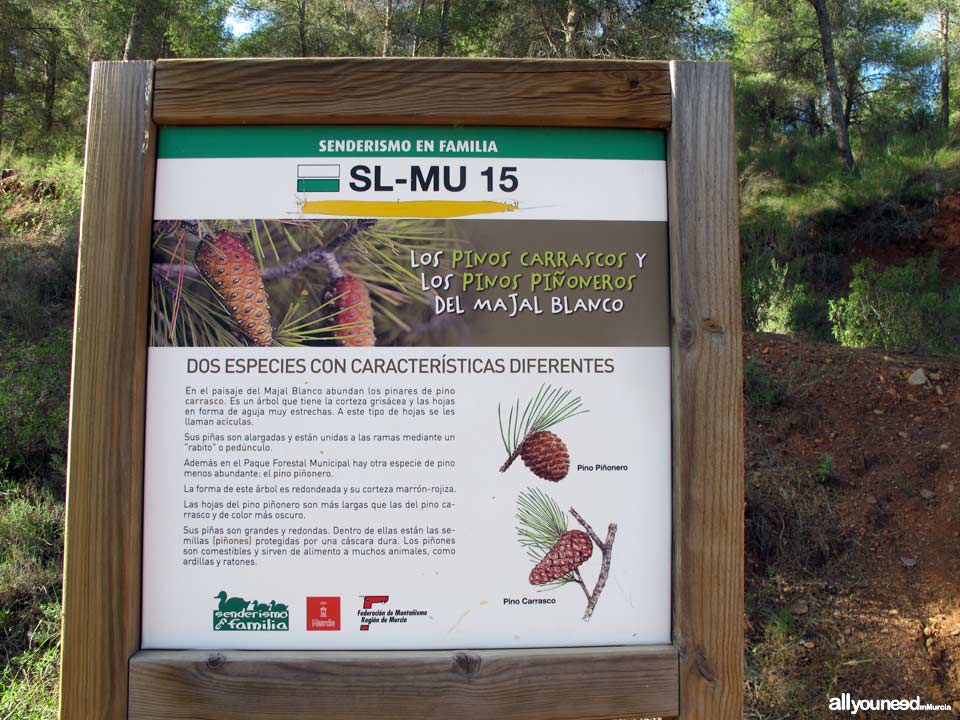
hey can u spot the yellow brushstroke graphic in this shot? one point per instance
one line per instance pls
(409, 208)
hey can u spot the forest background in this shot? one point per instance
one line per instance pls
(849, 163)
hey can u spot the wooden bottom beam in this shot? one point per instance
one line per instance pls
(548, 684)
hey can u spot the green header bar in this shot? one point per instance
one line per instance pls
(310, 141)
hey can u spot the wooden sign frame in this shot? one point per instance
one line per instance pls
(106, 675)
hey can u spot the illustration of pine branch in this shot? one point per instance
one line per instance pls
(583, 586)
(541, 522)
(541, 525)
(549, 407)
(606, 550)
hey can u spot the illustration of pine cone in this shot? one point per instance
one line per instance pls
(571, 551)
(353, 312)
(546, 455)
(523, 429)
(234, 274)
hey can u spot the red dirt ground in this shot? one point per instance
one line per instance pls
(886, 613)
(942, 235)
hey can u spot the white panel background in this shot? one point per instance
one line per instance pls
(628, 423)
(245, 188)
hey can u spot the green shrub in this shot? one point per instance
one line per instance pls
(31, 559)
(772, 302)
(30, 527)
(48, 191)
(801, 212)
(28, 683)
(34, 391)
(759, 389)
(825, 467)
(37, 283)
(905, 308)
(39, 212)
(781, 623)
(28, 686)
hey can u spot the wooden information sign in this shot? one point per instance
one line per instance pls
(406, 389)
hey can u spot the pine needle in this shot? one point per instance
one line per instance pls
(541, 524)
(549, 407)
(378, 255)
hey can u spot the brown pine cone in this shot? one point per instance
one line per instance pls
(352, 313)
(234, 274)
(571, 551)
(546, 455)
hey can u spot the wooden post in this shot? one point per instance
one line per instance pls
(707, 392)
(101, 624)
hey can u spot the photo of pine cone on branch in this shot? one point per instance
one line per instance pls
(294, 283)
(234, 275)
(559, 553)
(525, 434)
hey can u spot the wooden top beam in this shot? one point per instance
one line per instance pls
(408, 91)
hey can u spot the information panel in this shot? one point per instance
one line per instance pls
(408, 387)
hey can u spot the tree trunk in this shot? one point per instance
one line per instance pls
(608, 18)
(443, 37)
(570, 29)
(850, 96)
(302, 27)
(943, 25)
(813, 118)
(132, 47)
(50, 87)
(418, 25)
(7, 84)
(387, 19)
(840, 127)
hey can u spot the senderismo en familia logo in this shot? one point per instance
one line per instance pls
(235, 613)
